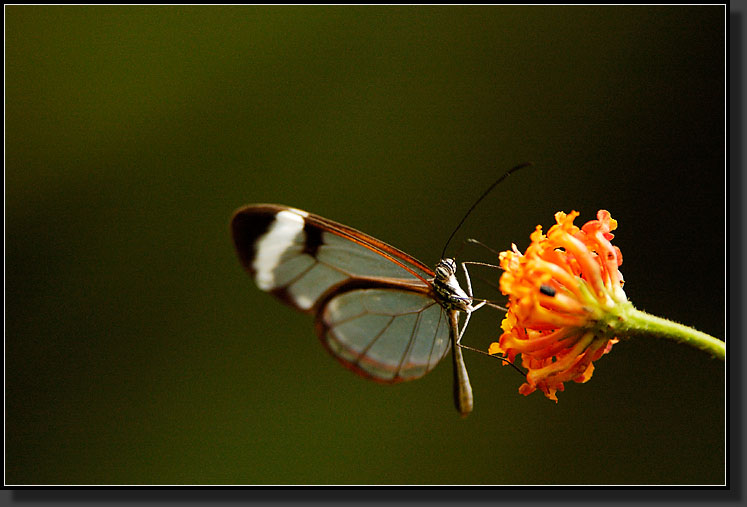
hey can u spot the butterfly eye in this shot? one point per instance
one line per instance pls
(446, 268)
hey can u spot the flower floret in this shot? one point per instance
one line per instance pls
(562, 291)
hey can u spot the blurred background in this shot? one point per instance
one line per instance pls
(139, 352)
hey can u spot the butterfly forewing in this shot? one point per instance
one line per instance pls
(298, 256)
(375, 308)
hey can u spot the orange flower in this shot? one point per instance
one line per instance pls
(565, 297)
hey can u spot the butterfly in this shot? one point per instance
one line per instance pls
(379, 311)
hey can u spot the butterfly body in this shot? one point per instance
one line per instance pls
(380, 312)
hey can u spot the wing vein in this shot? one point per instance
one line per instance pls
(350, 319)
(301, 274)
(433, 343)
(451, 330)
(413, 334)
(368, 347)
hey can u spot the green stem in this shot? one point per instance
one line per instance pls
(635, 322)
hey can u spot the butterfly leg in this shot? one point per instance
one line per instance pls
(469, 293)
(469, 280)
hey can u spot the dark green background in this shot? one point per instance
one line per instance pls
(138, 351)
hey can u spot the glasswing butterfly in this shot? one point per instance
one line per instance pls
(379, 311)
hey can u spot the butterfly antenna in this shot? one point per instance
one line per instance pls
(480, 243)
(484, 194)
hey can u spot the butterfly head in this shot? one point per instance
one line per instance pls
(446, 285)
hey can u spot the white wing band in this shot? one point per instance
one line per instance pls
(279, 238)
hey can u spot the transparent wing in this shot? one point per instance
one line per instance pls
(298, 256)
(386, 334)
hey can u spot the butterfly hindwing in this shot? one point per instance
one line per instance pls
(383, 332)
